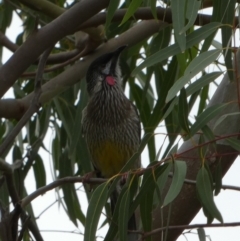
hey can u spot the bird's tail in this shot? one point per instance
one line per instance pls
(132, 225)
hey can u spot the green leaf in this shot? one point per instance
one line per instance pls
(153, 7)
(148, 182)
(183, 111)
(178, 17)
(97, 202)
(124, 215)
(227, 15)
(223, 117)
(205, 193)
(206, 116)
(218, 178)
(180, 169)
(77, 130)
(161, 182)
(134, 5)
(146, 211)
(201, 234)
(191, 14)
(65, 114)
(198, 64)
(113, 229)
(112, 7)
(39, 172)
(201, 82)
(210, 136)
(203, 99)
(193, 38)
(234, 143)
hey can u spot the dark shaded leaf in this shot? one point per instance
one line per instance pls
(97, 202)
(201, 234)
(205, 193)
(39, 172)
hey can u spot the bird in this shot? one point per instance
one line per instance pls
(110, 121)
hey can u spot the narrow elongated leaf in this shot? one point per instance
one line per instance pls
(153, 6)
(206, 116)
(234, 143)
(205, 193)
(201, 82)
(223, 117)
(39, 172)
(124, 215)
(203, 99)
(148, 182)
(201, 234)
(146, 211)
(161, 182)
(197, 65)
(218, 178)
(178, 17)
(131, 10)
(183, 111)
(97, 202)
(191, 14)
(112, 7)
(192, 39)
(227, 13)
(180, 169)
(202, 61)
(77, 130)
(113, 228)
(210, 136)
(64, 114)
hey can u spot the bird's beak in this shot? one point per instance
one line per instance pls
(115, 57)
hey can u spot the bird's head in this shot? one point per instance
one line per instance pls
(104, 72)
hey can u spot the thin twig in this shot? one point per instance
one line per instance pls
(25, 201)
(213, 225)
(192, 182)
(32, 108)
(10, 138)
(53, 68)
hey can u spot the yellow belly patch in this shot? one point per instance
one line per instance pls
(109, 158)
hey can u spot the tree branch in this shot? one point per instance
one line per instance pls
(144, 13)
(32, 108)
(39, 41)
(187, 199)
(25, 201)
(10, 108)
(6, 42)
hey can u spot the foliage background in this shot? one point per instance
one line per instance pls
(62, 113)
